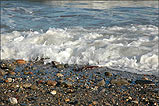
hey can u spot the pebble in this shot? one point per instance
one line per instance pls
(101, 83)
(61, 66)
(31, 73)
(59, 75)
(67, 100)
(9, 79)
(51, 83)
(40, 81)
(145, 78)
(13, 100)
(34, 87)
(27, 85)
(26, 73)
(12, 73)
(142, 82)
(108, 74)
(74, 90)
(94, 102)
(130, 98)
(67, 84)
(20, 61)
(15, 86)
(136, 102)
(95, 88)
(53, 92)
(107, 104)
(119, 82)
(2, 72)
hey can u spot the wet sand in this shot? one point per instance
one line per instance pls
(35, 83)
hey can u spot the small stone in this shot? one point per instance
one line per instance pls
(130, 98)
(68, 84)
(19, 79)
(2, 104)
(40, 81)
(103, 90)
(67, 100)
(12, 73)
(155, 104)
(65, 83)
(59, 75)
(94, 102)
(9, 79)
(145, 78)
(31, 73)
(26, 73)
(2, 72)
(34, 87)
(113, 101)
(107, 104)
(20, 61)
(142, 82)
(15, 86)
(54, 63)
(61, 66)
(13, 100)
(108, 74)
(127, 100)
(136, 102)
(53, 92)
(101, 83)
(95, 88)
(27, 85)
(70, 91)
(51, 83)
(119, 82)
(6, 81)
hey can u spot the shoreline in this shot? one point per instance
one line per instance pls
(63, 84)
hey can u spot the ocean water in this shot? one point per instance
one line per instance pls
(118, 34)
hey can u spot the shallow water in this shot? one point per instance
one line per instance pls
(118, 34)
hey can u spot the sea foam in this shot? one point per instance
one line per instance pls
(131, 48)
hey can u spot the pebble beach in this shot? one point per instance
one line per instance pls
(33, 83)
(79, 53)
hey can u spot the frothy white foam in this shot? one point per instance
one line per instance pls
(131, 47)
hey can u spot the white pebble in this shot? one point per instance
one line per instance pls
(53, 92)
(13, 100)
(9, 79)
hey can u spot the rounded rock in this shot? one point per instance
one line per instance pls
(59, 75)
(108, 74)
(2, 72)
(27, 85)
(53, 92)
(13, 100)
(9, 79)
(20, 61)
(34, 87)
(101, 83)
(51, 83)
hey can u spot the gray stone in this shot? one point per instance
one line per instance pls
(142, 82)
